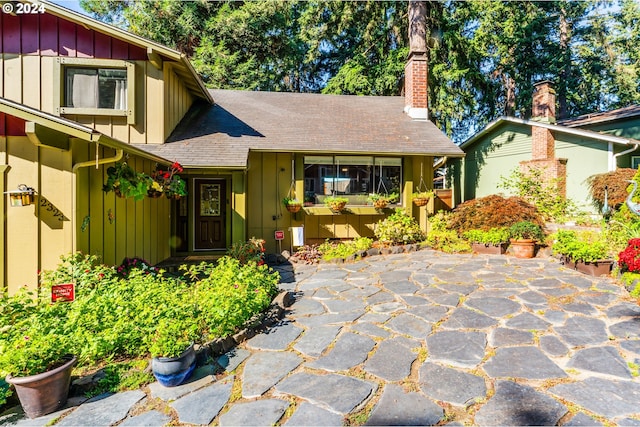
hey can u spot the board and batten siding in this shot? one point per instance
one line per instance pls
(29, 45)
(269, 181)
(101, 223)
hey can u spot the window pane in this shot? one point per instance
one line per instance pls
(354, 175)
(113, 88)
(81, 88)
(318, 177)
(96, 88)
(388, 175)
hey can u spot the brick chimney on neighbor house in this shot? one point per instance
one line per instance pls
(543, 150)
(416, 68)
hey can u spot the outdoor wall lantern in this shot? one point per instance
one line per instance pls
(23, 196)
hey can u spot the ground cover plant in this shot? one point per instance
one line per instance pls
(332, 250)
(116, 318)
(442, 237)
(586, 246)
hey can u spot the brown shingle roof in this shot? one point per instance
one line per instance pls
(222, 135)
(593, 118)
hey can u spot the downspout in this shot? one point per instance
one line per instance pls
(97, 162)
(615, 156)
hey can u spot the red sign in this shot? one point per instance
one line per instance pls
(279, 235)
(64, 292)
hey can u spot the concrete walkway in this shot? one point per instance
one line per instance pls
(415, 339)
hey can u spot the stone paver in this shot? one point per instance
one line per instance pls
(463, 349)
(451, 385)
(202, 406)
(312, 415)
(337, 392)
(263, 370)
(147, 419)
(400, 408)
(522, 362)
(246, 413)
(412, 338)
(103, 410)
(392, 360)
(519, 405)
(603, 397)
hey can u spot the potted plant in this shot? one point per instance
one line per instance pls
(173, 354)
(585, 252)
(169, 182)
(336, 203)
(492, 241)
(421, 198)
(36, 361)
(293, 205)
(380, 201)
(524, 235)
(126, 182)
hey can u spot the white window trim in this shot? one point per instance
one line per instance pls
(635, 162)
(59, 88)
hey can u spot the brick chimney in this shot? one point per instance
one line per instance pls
(544, 102)
(543, 150)
(544, 110)
(416, 68)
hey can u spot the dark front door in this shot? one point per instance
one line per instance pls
(210, 214)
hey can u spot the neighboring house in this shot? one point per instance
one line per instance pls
(77, 95)
(567, 151)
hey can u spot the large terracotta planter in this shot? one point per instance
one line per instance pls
(596, 269)
(524, 248)
(173, 371)
(481, 248)
(44, 393)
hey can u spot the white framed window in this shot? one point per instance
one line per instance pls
(102, 87)
(635, 162)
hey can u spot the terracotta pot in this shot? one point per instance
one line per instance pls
(293, 208)
(173, 371)
(44, 393)
(482, 248)
(525, 248)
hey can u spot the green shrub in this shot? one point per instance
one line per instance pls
(580, 246)
(440, 237)
(117, 318)
(526, 230)
(399, 228)
(332, 250)
(493, 236)
(543, 194)
(492, 211)
(251, 250)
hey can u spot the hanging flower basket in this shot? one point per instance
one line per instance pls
(422, 198)
(292, 205)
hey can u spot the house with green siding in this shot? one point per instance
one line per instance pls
(567, 152)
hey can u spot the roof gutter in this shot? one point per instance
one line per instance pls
(557, 128)
(614, 164)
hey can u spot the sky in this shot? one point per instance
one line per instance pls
(70, 4)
